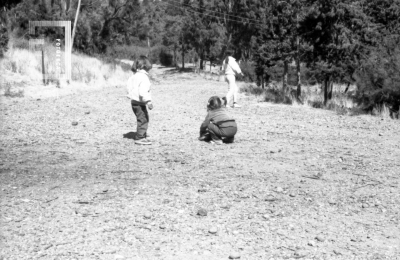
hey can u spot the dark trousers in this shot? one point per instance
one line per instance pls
(219, 132)
(142, 117)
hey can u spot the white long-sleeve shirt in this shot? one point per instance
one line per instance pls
(138, 87)
(232, 67)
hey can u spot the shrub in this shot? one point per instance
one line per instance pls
(128, 52)
(276, 96)
(166, 58)
(3, 41)
(378, 79)
(251, 89)
(248, 71)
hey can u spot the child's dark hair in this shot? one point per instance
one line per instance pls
(214, 103)
(224, 102)
(143, 63)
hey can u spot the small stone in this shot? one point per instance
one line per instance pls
(213, 230)
(226, 206)
(147, 215)
(332, 202)
(74, 123)
(202, 212)
(235, 232)
(279, 189)
(300, 253)
(87, 112)
(320, 238)
(270, 198)
(266, 216)
(234, 255)
(119, 257)
(292, 195)
(365, 205)
(336, 252)
(380, 134)
(162, 226)
(311, 243)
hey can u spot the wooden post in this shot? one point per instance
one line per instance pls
(43, 68)
(262, 80)
(75, 22)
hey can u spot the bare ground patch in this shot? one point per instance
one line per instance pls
(297, 183)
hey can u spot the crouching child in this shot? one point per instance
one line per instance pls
(218, 127)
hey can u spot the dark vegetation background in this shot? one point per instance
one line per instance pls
(297, 42)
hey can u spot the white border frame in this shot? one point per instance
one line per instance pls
(68, 40)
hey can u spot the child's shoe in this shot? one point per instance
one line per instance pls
(143, 141)
(235, 105)
(218, 142)
(229, 140)
(205, 138)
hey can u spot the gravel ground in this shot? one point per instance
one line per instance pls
(297, 183)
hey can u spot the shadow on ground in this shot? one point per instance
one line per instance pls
(130, 135)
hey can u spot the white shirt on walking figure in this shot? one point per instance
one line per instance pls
(231, 67)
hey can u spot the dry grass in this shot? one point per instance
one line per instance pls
(21, 67)
(313, 96)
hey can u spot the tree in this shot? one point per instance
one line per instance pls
(378, 76)
(334, 30)
(206, 30)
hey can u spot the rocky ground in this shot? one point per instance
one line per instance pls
(298, 183)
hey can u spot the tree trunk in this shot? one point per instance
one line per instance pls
(43, 69)
(298, 72)
(68, 6)
(298, 91)
(262, 81)
(175, 56)
(148, 47)
(201, 63)
(183, 57)
(330, 90)
(75, 22)
(183, 52)
(326, 87)
(285, 76)
(347, 88)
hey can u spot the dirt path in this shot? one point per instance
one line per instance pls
(297, 183)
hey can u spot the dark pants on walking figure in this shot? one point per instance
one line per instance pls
(226, 130)
(142, 118)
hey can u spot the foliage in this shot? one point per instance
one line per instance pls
(378, 76)
(3, 41)
(343, 41)
(166, 58)
(248, 71)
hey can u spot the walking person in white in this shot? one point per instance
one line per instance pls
(231, 69)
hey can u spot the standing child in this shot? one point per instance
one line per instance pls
(139, 92)
(218, 127)
(231, 69)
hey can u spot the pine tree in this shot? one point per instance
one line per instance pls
(278, 42)
(334, 30)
